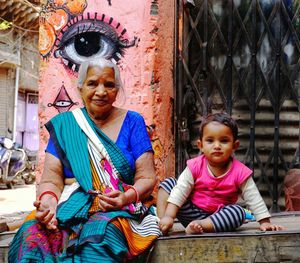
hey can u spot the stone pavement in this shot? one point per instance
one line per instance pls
(15, 204)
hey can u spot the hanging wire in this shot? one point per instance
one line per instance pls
(36, 8)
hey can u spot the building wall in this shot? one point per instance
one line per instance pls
(6, 101)
(145, 58)
(18, 50)
(9, 58)
(30, 60)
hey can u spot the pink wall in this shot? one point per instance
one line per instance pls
(146, 64)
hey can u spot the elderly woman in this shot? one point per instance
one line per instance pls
(94, 199)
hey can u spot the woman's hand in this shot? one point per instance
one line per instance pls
(165, 224)
(114, 200)
(46, 211)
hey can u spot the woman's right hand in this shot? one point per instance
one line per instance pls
(165, 224)
(46, 211)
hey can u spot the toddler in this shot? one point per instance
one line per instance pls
(205, 195)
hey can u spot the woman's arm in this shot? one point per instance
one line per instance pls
(49, 191)
(145, 177)
(52, 177)
(144, 182)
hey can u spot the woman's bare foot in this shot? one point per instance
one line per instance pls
(194, 227)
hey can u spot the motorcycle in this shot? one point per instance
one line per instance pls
(14, 164)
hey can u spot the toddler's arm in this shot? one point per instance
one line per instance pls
(167, 220)
(182, 190)
(176, 199)
(256, 204)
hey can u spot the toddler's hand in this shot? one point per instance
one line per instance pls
(267, 226)
(165, 224)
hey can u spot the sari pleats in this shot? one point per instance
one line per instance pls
(137, 243)
(113, 248)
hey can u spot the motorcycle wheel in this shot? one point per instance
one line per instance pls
(10, 185)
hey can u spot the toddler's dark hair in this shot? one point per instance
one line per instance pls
(223, 118)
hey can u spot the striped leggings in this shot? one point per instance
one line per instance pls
(226, 219)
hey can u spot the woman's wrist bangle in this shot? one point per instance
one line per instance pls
(48, 193)
(137, 196)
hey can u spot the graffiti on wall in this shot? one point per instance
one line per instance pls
(74, 37)
(126, 32)
(63, 101)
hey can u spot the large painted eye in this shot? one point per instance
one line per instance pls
(91, 38)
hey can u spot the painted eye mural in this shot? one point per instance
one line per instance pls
(74, 37)
(91, 37)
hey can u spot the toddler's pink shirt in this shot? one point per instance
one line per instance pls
(212, 193)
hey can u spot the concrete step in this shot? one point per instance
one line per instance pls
(246, 245)
(5, 240)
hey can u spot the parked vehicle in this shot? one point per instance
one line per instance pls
(15, 166)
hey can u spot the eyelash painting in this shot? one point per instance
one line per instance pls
(75, 37)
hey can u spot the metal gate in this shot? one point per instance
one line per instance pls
(242, 57)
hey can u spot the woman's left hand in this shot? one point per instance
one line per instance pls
(114, 200)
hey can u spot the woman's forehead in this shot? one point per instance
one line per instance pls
(100, 68)
(100, 71)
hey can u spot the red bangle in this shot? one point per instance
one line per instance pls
(137, 196)
(48, 193)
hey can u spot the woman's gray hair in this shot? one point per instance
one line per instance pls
(100, 63)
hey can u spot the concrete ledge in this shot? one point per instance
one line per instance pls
(5, 240)
(263, 248)
(247, 244)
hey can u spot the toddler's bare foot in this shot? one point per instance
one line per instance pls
(194, 227)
